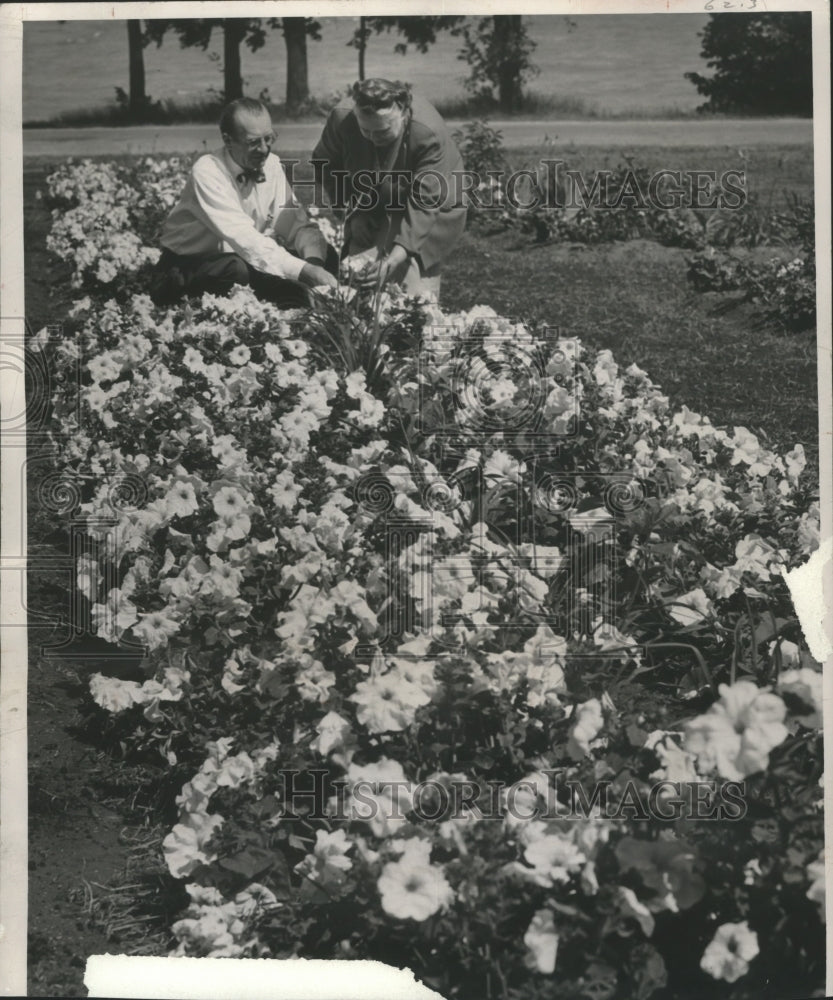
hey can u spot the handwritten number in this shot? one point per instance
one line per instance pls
(733, 5)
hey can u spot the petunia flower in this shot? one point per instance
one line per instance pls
(738, 732)
(729, 953)
(541, 941)
(412, 888)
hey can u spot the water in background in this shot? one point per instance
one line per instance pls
(617, 63)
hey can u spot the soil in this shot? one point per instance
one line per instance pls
(74, 841)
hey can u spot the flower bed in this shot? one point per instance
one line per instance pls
(466, 652)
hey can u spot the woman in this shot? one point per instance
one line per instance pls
(388, 161)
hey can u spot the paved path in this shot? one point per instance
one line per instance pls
(302, 137)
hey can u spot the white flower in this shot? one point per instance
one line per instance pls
(755, 555)
(380, 795)
(185, 846)
(239, 355)
(554, 859)
(589, 722)
(181, 500)
(500, 466)
(748, 450)
(313, 680)
(541, 941)
(113, 618)
(737, 733)
(691, 608)
(676, 764)
(818, 881)
(232, 672)
(113, 694)
(795, 461)
(730, 952)
(327, 864)
(155, 628)
(388, 703)
(412, 888)
(333, 732)
(721, 582)
(229, 502)
(806, 684)
(235, 771)
(104, 368)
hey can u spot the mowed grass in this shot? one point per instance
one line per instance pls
(773, 174)
(710, 352)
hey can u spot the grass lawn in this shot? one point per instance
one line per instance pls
(774, 174)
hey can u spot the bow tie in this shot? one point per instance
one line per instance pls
(255, 176)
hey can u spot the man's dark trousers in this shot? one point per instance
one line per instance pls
(176, 276)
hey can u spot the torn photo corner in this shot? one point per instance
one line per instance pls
(416, 426)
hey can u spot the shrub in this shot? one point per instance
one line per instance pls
(763, 63)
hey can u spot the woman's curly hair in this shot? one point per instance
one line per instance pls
(377, 94)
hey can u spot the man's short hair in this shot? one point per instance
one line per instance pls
(228, 119)
(377, 94)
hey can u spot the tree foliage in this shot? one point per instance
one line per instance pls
(421, 32)
(763, 64)
(251, 31)
(197, 31)
(499, 53)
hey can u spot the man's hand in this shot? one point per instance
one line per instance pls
(313, 275)
(384, 269)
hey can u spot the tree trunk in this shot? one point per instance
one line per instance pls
(362, 45)
(234, 29)
(297, 77)
(138, 98)
(509, 31)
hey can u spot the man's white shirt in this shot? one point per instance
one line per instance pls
(218, 212)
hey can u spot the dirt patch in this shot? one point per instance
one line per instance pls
(74, 842)
(647, 252)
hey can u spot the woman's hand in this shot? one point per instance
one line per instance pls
(313, 275)
(385, 269)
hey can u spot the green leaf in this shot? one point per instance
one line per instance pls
(767, 629)
(636, 735)
(251, 862)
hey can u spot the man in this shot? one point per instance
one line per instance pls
(389, 160)
(238, 223)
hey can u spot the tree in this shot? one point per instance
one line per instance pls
(498, 50)
(197, 32)
(417, 31)
(295, 31)
(137, 98)
(359, 41)
(763, 64)
(234, 31)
